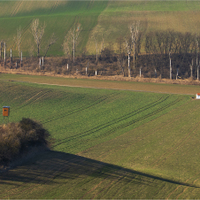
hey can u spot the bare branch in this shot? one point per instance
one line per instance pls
(71, 40)
(37, 33)
(51, 42)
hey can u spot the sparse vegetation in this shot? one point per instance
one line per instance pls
(17, 138)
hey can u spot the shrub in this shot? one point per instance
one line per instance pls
(17, 138)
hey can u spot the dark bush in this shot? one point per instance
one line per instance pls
(17, 138)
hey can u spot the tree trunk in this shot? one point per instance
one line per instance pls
(10, 58)
(4, 53)
(191, 69)
(38, 50)
(73, 50)
(170, 66)
(129, 67)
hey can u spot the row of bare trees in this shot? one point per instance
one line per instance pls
(164, 42)
(37, 30)
(158, 42)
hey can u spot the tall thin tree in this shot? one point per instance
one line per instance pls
(131, 43)
(37, 32)
(71, 40)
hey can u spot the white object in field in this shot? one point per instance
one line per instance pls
(197, 95)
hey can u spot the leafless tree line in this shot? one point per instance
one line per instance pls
(174, 45)
(164, 42)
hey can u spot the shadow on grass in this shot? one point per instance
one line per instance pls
(50, 167)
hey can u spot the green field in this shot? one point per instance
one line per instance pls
(106, 143)
(107, 18)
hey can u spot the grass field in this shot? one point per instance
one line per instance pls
(107, 143)
(107, 18)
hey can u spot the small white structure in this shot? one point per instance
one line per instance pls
(197, 95)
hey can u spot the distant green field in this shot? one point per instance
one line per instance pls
(107, 18)
(106, 143)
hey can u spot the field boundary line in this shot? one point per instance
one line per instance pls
(79, 86)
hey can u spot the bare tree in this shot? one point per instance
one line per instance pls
(131, 43)
(97, 50)
(191, 70)
(99, 46)
(170, 66)
(71, 40)
(197, 59)
(51, 42)
(37, 32)
(4, 53)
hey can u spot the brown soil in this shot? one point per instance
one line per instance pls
(101, 77)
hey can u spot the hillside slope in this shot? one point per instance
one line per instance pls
(106, 20)
(106, 143)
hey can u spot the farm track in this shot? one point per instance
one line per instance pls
(148, 115)
(120, 119)
(16, 9)
(123, 118)
(80, 109)
(31, 100)
(53, 7)
(107, 154)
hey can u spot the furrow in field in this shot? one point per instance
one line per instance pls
(186, 189)
(95, 187)
(113, 122)
(17, 8)
(53, 8)
(50, 172)
(109, 186)
(77, 110)
(171, 193)
(33, 99)
(139, 119)
(124, 125)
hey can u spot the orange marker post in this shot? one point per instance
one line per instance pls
(6, 111)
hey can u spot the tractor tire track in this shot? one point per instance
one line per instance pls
(181, 186)
(32, 99)
(16, 8)
(120, 119)
(48, 176)
(142, 118)
(53, 7)
(186, 189)
(107, 187)
(124, 125)
(76, 110)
